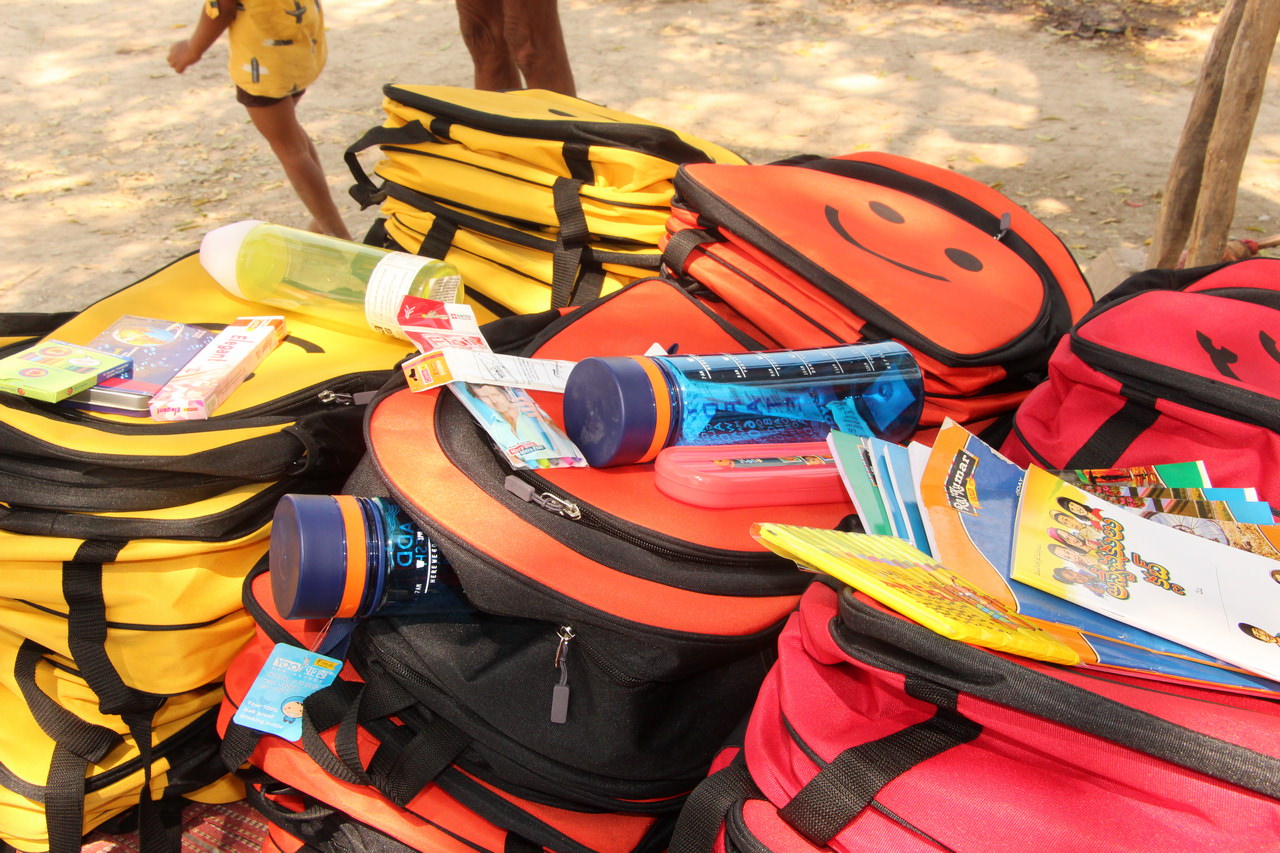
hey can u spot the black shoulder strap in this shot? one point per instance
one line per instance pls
(850, 782)
(708, 805)
(365, 191)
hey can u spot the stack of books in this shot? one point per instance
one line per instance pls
(1150, 571)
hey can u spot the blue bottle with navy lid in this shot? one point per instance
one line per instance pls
(620, 410)
(345, 557)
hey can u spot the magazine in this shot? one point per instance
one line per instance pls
(971, 496)
(519, 426)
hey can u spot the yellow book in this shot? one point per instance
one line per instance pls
(903, 578)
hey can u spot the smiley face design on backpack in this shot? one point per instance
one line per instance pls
(919, 253)
(1246, 361)
(956, 257)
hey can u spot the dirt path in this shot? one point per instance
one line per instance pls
(114, 166)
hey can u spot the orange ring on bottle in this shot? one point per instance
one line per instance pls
(357, 559)
(662, 407)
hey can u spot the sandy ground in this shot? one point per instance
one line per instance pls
(113, 165)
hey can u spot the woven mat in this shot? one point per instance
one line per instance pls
(219, 828)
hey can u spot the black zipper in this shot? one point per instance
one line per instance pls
(1148, 381)
(275, 413)
(530, 487)
(650, 140)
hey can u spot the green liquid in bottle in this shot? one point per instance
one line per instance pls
(335, 281)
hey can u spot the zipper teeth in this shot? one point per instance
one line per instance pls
(598, 521)
(605, 523)
(606, 666)
(275, 412)
(1110, 358)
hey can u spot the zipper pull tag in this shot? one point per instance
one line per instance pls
(359, 398)
(560, 693)
(1006, 222)
(551, 503)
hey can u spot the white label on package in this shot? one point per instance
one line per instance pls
(391, 280)
(442, 366)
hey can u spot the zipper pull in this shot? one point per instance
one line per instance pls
(560, 693)
(551, 503)
(340, 398)
(1006, 222)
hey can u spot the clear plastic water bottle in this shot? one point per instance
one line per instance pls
(621, 410)
(339, 556)
(333, 280)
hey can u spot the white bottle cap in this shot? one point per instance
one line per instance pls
(219, 249)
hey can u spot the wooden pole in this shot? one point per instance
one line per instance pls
(1232, 130)
(1177, 207)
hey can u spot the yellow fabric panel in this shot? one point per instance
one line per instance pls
(173, 607)
(541, 105)
(507, 273)
(185, 293)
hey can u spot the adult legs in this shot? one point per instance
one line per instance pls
(278, 124)
(515, 39)
(536, 39)
(483, 32)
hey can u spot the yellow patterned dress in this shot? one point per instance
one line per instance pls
(277, 46)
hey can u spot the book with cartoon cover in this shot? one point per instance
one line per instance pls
(905, 579)
(1219, 600)
(971, 495)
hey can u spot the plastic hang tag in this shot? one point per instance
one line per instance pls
(273, 703)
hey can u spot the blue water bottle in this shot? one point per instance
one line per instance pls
(620, 410)
(345, 557)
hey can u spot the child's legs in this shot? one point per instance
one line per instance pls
(278, 124)
(482, 28)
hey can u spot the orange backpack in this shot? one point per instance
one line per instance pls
(872, 246)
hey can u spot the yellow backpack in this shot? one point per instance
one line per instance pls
(124, 543)
(66, 768)
(539, 199)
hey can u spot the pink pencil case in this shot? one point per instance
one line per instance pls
(738, 475)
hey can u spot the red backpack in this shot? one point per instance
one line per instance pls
(873, 733)
(873, 246)
(1171, 366)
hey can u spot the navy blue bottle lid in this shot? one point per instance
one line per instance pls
(318, 558)
(612, 413)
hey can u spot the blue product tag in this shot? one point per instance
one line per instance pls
(274, 701)
(845, 413)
